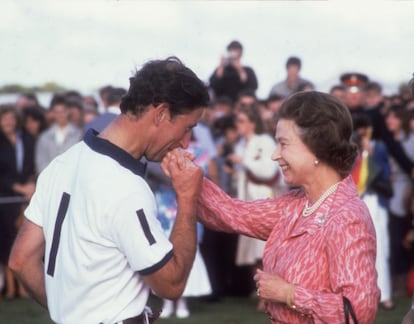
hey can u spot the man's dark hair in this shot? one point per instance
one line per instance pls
(373, 86)
(165, 81)
(58, 99)
(274, 97)
(340, 87)
(246, 93)
(74, 103)
(235, 45)
(293, 60)
(223, 100)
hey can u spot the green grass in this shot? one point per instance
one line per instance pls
(229, 311)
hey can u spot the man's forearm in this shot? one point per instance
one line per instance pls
(184, 238)
(33, 279)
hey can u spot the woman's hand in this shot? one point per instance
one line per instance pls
(186, 176)
(271, 286)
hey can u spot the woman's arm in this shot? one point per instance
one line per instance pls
(218, 211)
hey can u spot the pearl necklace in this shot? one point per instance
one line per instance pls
(310, 210)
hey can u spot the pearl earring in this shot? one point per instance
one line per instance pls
(316, 162)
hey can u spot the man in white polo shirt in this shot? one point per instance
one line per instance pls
(91, 248)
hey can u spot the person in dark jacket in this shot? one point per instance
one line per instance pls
(231, 77)
(17, 175)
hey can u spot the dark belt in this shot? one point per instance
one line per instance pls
(139, 319)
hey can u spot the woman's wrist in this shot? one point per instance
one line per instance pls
(289, 296)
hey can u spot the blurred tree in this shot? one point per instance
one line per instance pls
(46, 87)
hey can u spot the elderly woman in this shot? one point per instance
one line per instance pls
(321, 243)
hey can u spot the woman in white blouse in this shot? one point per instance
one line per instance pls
(257, 175)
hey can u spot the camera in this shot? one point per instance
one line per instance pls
(230, 56)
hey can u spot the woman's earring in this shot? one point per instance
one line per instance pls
(316, 162)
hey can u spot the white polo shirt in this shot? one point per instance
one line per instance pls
(99, 221)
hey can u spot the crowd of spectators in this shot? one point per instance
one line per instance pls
(238, 132)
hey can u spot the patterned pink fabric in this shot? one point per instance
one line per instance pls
(328, 255)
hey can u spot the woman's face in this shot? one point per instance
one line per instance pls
(244, 125)
(8, 123)
(393, 123)
(32, 126)
(294, 157)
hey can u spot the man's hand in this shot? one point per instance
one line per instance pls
(186, 176)
(169, 281)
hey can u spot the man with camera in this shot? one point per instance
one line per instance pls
(231, 77)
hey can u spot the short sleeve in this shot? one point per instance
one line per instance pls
(138, 233)
(33, 210)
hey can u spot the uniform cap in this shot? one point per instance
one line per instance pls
(354, 81)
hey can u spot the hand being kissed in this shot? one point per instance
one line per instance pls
(186, 176)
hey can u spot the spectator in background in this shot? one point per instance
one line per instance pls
(221, 107)
(293, 82)
(76, 112)
(112, 101)
(404, 92)
(33, 120)
(269, 115)
(410, 104)
(219, 249)
(375, 108)
(397, 123)
(89, 114)
(245, 98)
(17, 184)
(26, 100)
(90, 109)
(59, 137)
(409, 317)
(306, 86)
(226, 144)
(89, 103)
(273, 103)
(231, 77)
(256, 176)
(354, 95)
(103, 96)
(372, 176)
(339, 92)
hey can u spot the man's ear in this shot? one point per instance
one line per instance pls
(161, 113)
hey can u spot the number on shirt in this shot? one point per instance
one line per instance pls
(63, 208)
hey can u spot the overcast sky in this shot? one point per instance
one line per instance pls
(86, 44)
